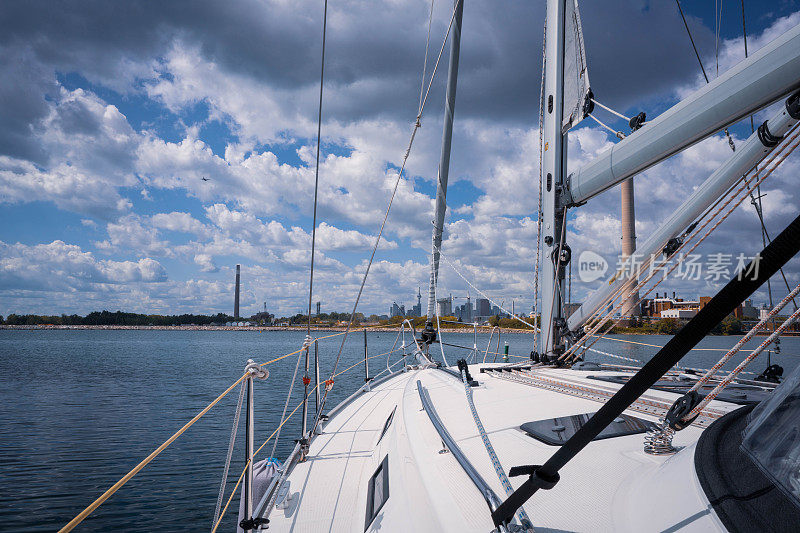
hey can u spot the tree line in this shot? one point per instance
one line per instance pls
(118, 318)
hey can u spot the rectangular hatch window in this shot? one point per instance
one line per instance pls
(378, 491)
(556, 431)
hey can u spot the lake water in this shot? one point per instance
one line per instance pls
(78, 409)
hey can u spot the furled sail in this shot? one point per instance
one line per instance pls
(576, 75)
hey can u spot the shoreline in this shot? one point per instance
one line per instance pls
(483, 329)
(236, 328)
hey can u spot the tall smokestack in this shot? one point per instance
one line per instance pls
(236, 298)
(629, 307)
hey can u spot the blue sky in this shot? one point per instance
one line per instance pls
(112, 117)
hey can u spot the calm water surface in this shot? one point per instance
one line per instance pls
(78, 409)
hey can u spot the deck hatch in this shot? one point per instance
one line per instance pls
(378, 491)
(556, 431)
(387, 424)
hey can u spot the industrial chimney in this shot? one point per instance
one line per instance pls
(629, 307)
(236, 297)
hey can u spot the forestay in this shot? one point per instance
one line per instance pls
(576, 75)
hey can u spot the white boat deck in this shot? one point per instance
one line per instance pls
(610, 486)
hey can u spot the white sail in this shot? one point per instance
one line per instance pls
(576, 75)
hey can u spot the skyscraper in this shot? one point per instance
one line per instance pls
(396, 310)
(483, 307)
(445, 306)
(416, 310)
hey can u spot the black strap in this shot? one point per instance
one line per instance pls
(745, 283)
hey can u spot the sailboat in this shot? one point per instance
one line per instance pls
(555, 442)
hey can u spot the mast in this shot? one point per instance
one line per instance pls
(554, 164)
(444, 161)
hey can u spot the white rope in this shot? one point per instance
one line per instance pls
(616, 133)
(476, 289)
(620, 115)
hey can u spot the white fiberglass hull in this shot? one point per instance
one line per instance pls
(611, 486)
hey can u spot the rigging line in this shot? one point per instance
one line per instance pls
(316, 168)
(241, 476)
(696, 53)
(288, 397)
(730, 377)
(750, 334)
(479, 291)
(489, 343)
(620, 115)
(233, 492)
(744, 36)
(425, 63)
(116, 486)
(539, 214)
(498, 468)
(659, 346)
(617, 134)
(766, 239)
(439, 57)
(397, 338)
(416, 127)
(718, 19)
(760, 208)
(229, 456)
(361, 361)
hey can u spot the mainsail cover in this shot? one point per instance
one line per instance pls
(576, 75)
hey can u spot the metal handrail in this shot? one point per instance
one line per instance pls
(486, 491)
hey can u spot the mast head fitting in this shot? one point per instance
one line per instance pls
(793, 105)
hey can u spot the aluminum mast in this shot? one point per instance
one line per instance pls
(554, 160)
(444, 161)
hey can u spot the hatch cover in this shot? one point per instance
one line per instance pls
(556, 431)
